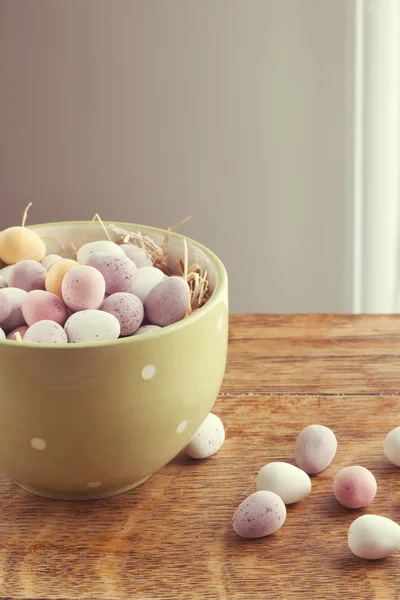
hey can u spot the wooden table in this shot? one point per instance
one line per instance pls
(171, 539)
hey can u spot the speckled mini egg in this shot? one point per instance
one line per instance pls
(147, 329)
(46, 332)
(50, 260)
(5, 272)
(316, 447)
(167, 302)
(127, 308)
(2, 334)
(92, 326)
(118, 271)
(88, 250)
(138, 255)
(208, 439)
(56, 274)
(3, 283)
(261, 514)
(21, 330)
(373, 537)
(39, 305)
(289, 482)
(391, 446)
(20, 243)
(83, 288)
(145, 280)
(354, 486)
(16, 318)
(5, 307)
(28, 275)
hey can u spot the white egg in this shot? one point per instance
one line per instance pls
(373, 537)
(16, 318)
(5, 272)
(289, 482)
(138, 255)
(87, 250)
(145, 280)
(92, 326)
(391, 446)
(208, 439)
(2, 334)
(50, 260)
(3, 283)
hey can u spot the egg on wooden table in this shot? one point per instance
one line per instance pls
(39, 305)
(259, 515)
(289, 482)
(83, 288)
(15, 318)
(316, 447)
(391, 446)
(28, 275)
(354, 486)
(91, 248)
(373, 537)
(208, 439)
(92, 326)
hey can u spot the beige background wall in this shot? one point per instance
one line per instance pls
(232, 111)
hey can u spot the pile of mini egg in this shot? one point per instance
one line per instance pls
(278, 484)
(109, 291)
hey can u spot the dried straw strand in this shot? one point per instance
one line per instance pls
(25, 215)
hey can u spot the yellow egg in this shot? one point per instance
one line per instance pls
(20, 243)
(57, 273)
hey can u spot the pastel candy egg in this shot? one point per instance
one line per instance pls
(167, 302)
(127, 308)
(354, 487)
(138, 255)
(289, 482)
(46, 332)
(261, 514)
(50, 260)
(83, 288)
(391, 446)
(316, 447)
(2, 334)
(21, 330)
(118, 271)
(16, 318)
(88, 250)
(39, 305)
(28, 275)
(92, 326)
(373, 537)
(5, 307)
(5, 272)
(3, 283)
(208, 439)
(145, 280)
(20, 243)
(147, 329)
(56, 275)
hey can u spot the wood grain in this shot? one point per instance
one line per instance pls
(172, 537)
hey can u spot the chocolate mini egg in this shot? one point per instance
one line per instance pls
(147, 329)
(15, 319)
(87, 250)
(20, 243)
(127, 308)
(167, 302)
(2, 334)
(208, 439)
(21, 330)
(354, 486)
(373, 537)
(3, 283)
(391, 446)
(138, 255)
(83, 288)
(145, 280)
(118, 271)
(50, 260)
(261, 514)
(28, 275)
(316, 447)
(46, 332)
(39, 305)
(289, 482)
(92, 326)
(56, 275)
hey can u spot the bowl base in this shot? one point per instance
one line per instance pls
(89, 495)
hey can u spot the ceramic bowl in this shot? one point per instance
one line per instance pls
(84, 421)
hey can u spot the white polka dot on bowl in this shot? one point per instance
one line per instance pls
(38, 444)
(220, 323)
(94, 484)
(182, 426)
(148, 372)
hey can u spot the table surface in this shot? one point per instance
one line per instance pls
(171, 538)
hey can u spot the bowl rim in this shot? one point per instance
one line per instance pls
(216, 297)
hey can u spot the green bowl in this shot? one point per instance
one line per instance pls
(85, 421)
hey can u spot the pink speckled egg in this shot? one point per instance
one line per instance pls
(16, 318)
(118, 271)
(39, 305)
(21, 330)
(83, 288)
(316, 447)
(261, 514)
(28, 275)
(167, 302)
(46, 332)
(138, 255)
(354, 487)
(127, 308)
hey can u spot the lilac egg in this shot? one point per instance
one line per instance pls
(3, 283)
(50, 260)
(91, 248)
(167, 302)
(28, 275)
(316, 447)
(138, 255)
(259, 515)
(118, 271)
(127, 308)
(16, 318)
(21, 330)
(83, 288)
(2, 334)
(5, 307)
(147, 329)
(39, 305)
(145, 280)
(46, 332)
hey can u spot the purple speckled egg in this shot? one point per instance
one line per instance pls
(138, 255)
(83, 288)
(21, 330)
(261, 514)
(354, 487)
(127, 308)
(46, 332)
(167, 302)
(16, 318)
(316, 447)
(28, 275)
(118, 271)
(39, 305)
